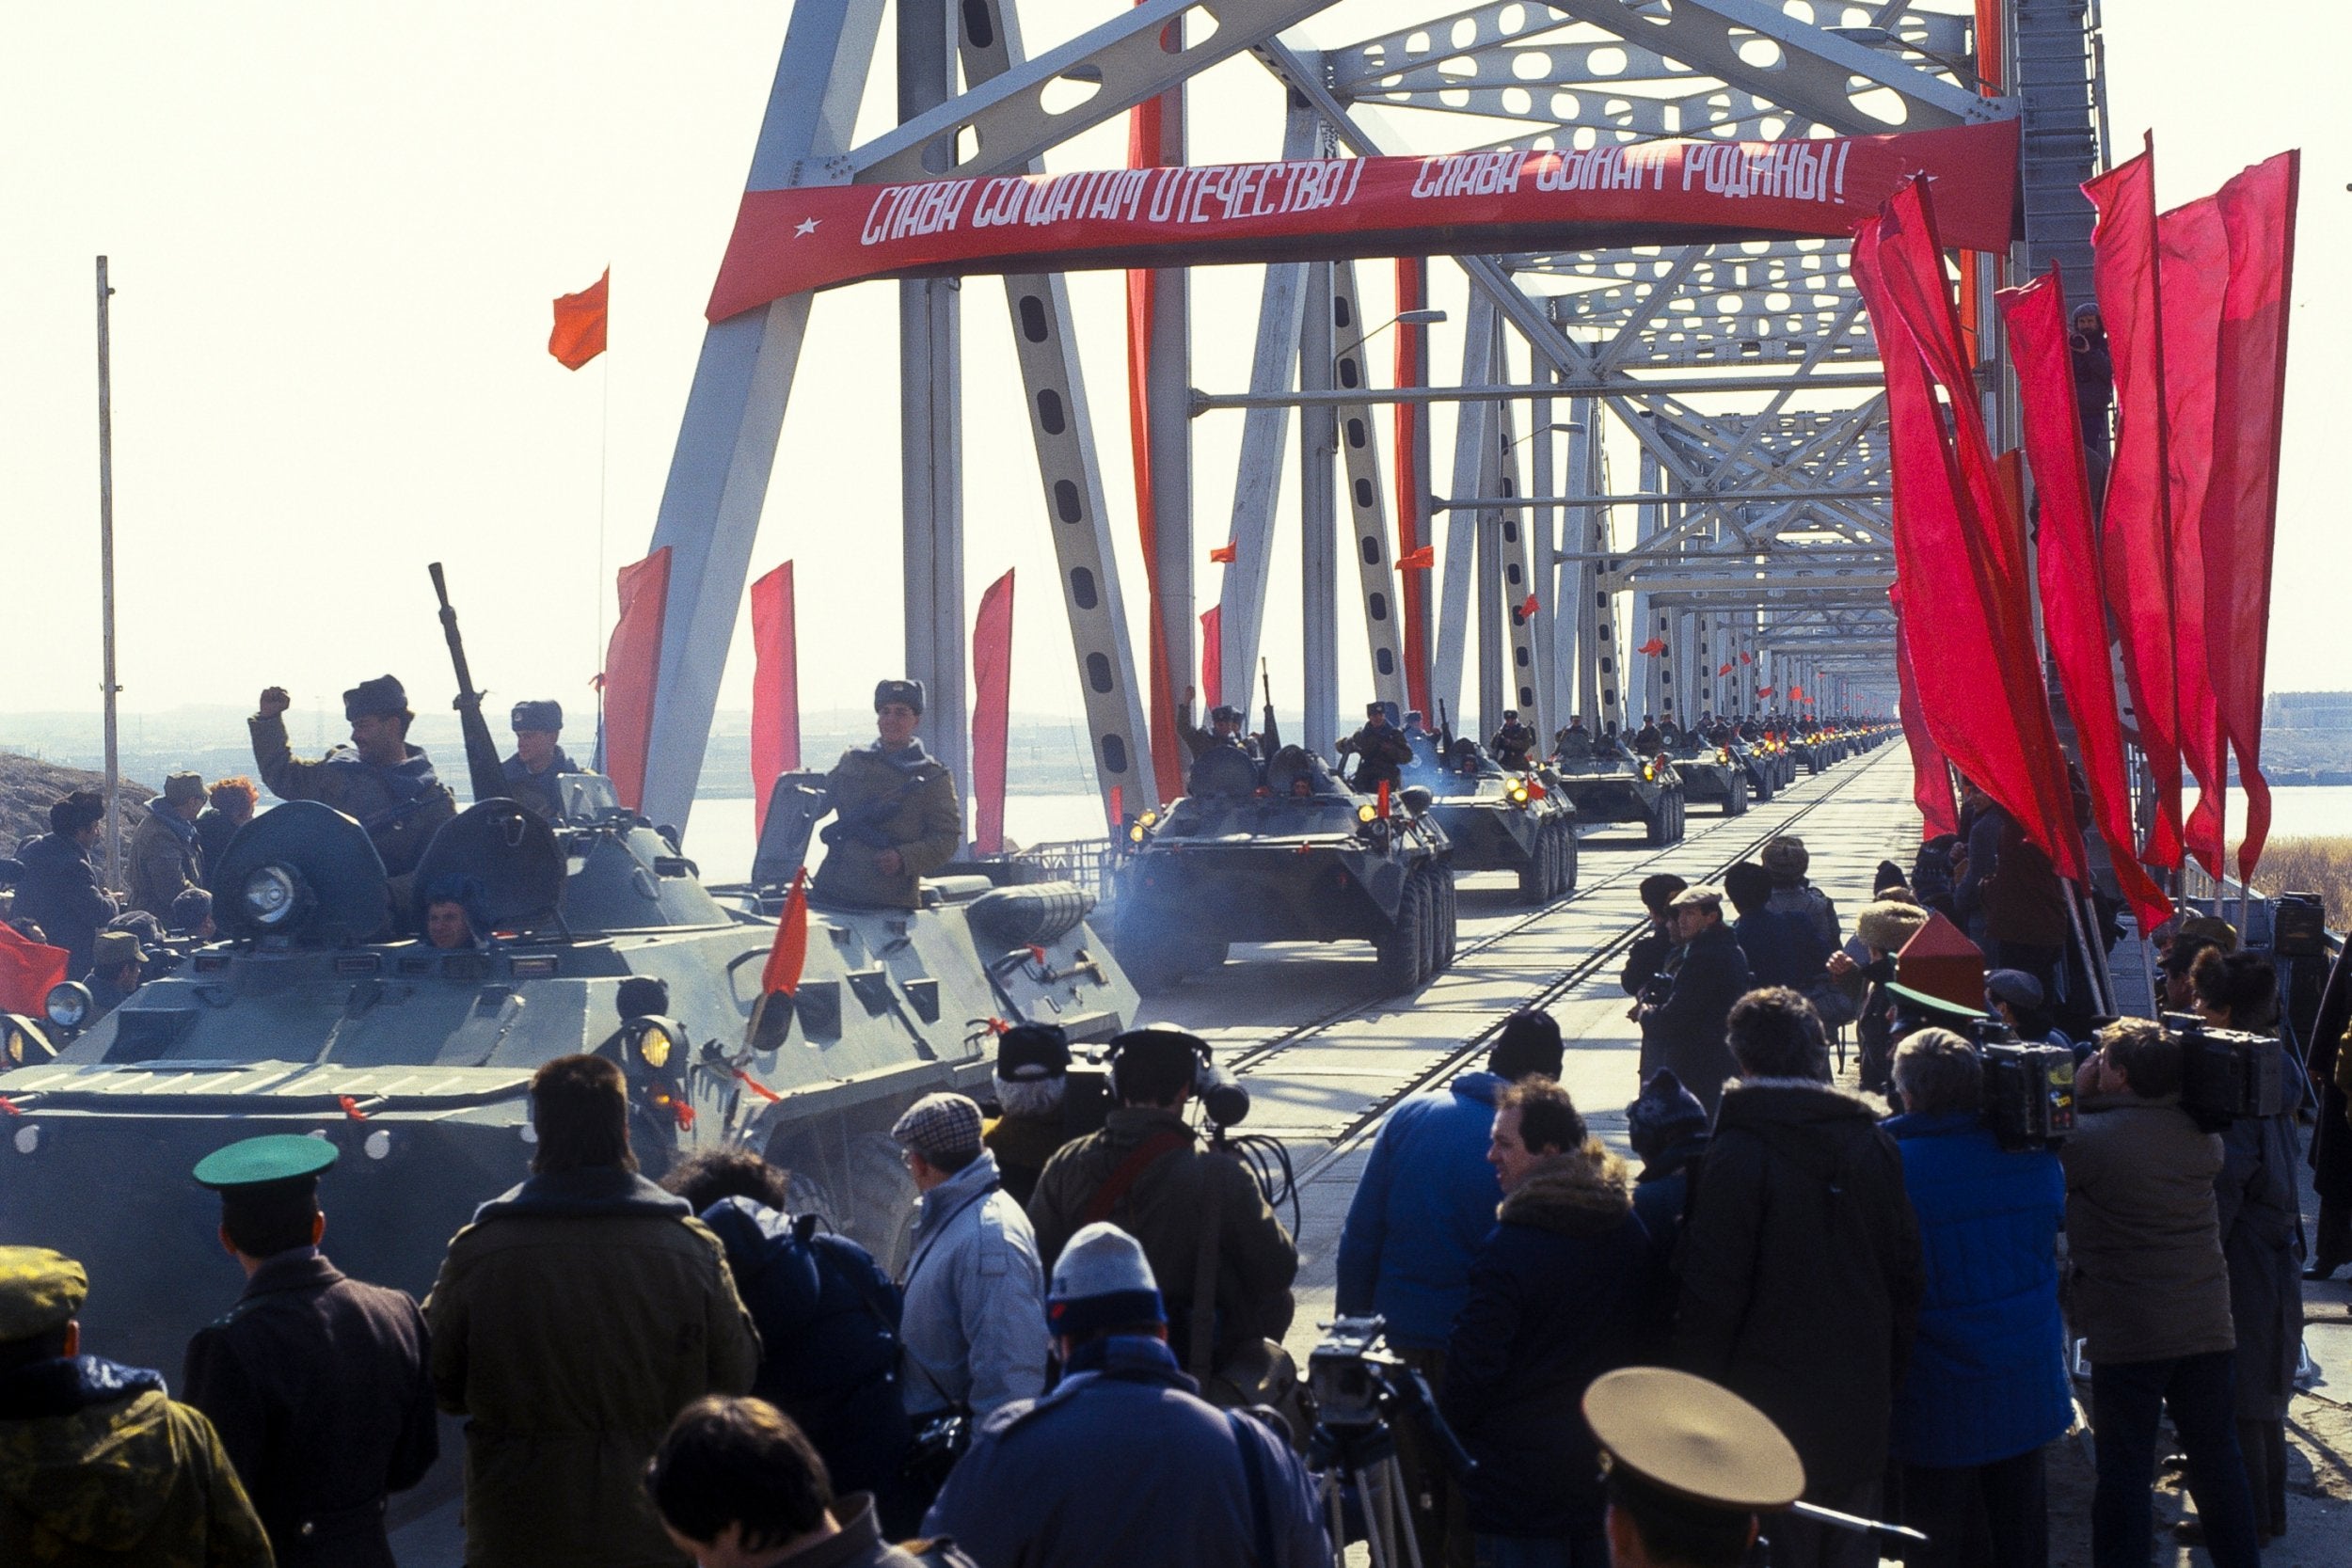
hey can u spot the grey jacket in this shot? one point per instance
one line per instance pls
(2146, 1280)
(974, 1322)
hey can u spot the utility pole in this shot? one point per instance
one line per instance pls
(106, 574)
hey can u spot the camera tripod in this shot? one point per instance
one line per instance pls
(1362, 1459)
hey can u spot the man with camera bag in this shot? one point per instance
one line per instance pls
(1197, 1212)
(2149, 1291)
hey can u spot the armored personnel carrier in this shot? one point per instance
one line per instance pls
(1606, 783)
(1709, 772)
(1503, 821)
(1295, 858)
(309, 1018)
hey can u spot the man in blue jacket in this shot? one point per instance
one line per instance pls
(1123, 1462)
(1425, 1201)
(1986, 1386)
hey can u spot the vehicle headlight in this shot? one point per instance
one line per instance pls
(68, 1004)
(1518, 794)
(270, 895)
(1137, 832)
(1149, 817)
(1367, 812)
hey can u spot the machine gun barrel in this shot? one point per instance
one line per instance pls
(1273, 734)
(482, 767)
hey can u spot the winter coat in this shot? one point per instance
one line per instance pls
(1661, 1192)
(98, 1470)
(1987, 1379)
(1558, 1293)
(1645, 960)
(317, 1386)
(1022, 1145)
(537, 790)
(60, 892)
(165, 861)
(2259, 1211)
(1782, 949)
(573, 1318)
(828, 1322)
(213, 829)
(2023, 901)
(2331, 1132)
(1256, 1260)
(1685, 1032)
(1801, 1273)
(401, 806)
(1810, 903)
(974, 1323)
(2145, 1277)
(1424, 1203)
(1123, 1463)
(901, 801)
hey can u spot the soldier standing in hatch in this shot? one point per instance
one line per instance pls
(316, 1382)
(379, 779)
(538, 757)
(896, 816)
(1513, 744)
(1381, 752)
(1225, 729)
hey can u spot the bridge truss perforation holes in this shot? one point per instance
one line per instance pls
(1363, 500)
(1351, 372)
(1066, 503)
(1608, 61)
(1197, 26)
(1463, 33)
(979, 27)
(1357, 434)
(1376, 605)
(1098, 672)
(1385, 660)
(1082, 592)
(1049, 412)
(1034, 325)
(1114, 752)
(1371, 543)
(1883, 104)
(1072, 90)
(1758, 52)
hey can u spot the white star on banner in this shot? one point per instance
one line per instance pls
(808, 226)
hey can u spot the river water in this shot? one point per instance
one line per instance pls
(2305, 810)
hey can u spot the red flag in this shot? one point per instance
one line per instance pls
(632, 667)
(775, 685)
(786, 958)
(992, 713)
(2241, 501)
(578, 335)
(1767, 691)
(1930, 775)
(1418, 561)
(1145, 145)
(1960, 547)
(1655, 646)
(1527, 607)
(2135, 530)
(1724, 670)
(2073, 614)
(27, 970)
(1745, 659)
(1212, 655)
(1796, 694)
(1223, 554)
(2194, 250)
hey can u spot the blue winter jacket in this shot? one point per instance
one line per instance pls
(1427, 1199)
(1987, 1378)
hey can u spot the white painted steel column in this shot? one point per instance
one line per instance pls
(1318, 517)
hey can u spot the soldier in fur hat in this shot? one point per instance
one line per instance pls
(896, 815)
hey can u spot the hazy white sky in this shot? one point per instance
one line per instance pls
(335, 232)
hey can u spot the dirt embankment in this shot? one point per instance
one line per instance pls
(29, 787)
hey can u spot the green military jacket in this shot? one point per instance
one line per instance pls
(163, 866)
(908, 800)
(400, 807)
(132, 1481)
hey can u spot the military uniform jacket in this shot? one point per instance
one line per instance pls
(906, 798)
(537, 790)
(319, 1388)
(166, 862)
(400, 807)
(1381, 753)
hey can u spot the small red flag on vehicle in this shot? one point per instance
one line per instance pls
(1223, 554)
(782, 976)
(578, 335)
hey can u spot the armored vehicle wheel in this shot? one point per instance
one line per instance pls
(1661, 833)
(1449, 910)
(1736, 799)
(1683, 816)
(1567, 858)
(1535, 876)
(1404, 946)
(1764, 785)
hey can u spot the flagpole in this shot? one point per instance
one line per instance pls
(604, 445)
(106, 569)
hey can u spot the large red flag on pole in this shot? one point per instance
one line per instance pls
(27, 970)
(775, 685)
(578, 335)
(2135, 524)
(1959, 547)
(1930, 775)
(1211, 656)
(2072, 614)
(2193, 248)
(2242, 502)
(632, 669)
(992, 713)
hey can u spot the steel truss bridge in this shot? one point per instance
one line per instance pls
(1742, 377)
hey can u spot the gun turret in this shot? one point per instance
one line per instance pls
(482, 767)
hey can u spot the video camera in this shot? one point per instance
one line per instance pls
(1355, 1381)
(1224, 1099)
(2226, 1074)
(2027, 1098)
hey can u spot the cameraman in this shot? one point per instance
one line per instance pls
(1986, 1385)
(2261, 1230)
(1143, 1173)
(2149, 1290)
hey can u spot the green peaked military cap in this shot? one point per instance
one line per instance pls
(277, 1157)
(40, 1289)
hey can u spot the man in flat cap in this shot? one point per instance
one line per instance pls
(896, 816)
(1382, 752)
(539, 756)
(1683, 1027)
(97, 1466)
(1693, 1468)
(166, 858)
(316, 1382)
(385, 784)
(117, 963)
